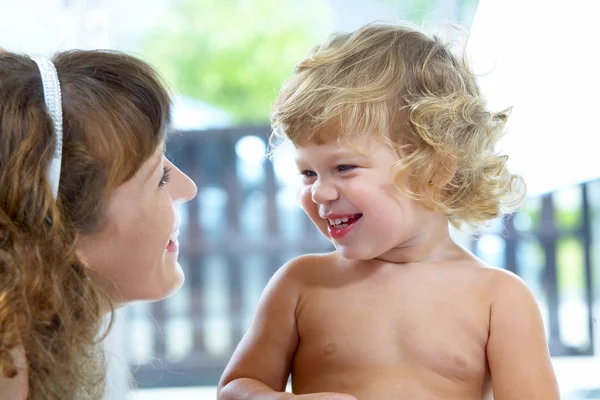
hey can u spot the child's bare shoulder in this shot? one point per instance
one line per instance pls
(504, 296)
(308, 267)
(500, 283)
(301, 273)
(499, 276)
(496, 282)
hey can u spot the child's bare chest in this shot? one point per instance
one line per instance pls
(426, 330)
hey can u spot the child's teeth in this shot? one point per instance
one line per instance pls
(338, 221)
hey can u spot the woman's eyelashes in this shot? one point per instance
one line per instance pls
(166, 176)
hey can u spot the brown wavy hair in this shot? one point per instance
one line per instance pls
(116, 111)
(403, 87)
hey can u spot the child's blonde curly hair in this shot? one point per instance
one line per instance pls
(405, 88)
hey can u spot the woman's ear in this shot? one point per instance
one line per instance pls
(81, 252)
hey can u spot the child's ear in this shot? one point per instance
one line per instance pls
(442, 173)
(439, 173)
(440, 176)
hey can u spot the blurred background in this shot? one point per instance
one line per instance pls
(226, 59)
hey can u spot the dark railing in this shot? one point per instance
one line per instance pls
(238, 231)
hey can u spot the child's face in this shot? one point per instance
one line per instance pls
(351, 198)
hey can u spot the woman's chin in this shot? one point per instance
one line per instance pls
(168, 285)
(157, 288)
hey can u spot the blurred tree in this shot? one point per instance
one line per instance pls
(235, 54)
(428, 11)
(413, 10)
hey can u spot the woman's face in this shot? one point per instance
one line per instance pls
(134, 257)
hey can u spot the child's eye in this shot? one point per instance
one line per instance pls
(166, 176)
(308, 173)
(345, 167)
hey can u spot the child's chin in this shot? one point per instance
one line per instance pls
(351, 253)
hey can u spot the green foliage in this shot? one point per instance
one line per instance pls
(412, 10)
(571, 265)
(533, 208)
(422, 12)
(235, 54)
(568, 219)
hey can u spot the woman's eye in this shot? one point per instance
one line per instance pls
(166, 176)
(345, 167)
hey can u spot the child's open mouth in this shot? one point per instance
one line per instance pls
(340, 227)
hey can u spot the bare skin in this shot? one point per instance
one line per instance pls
(16, 388)
(165, 270)
(365, 328)
(398, 311)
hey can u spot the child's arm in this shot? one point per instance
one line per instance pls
(517, 351)
(260, 365)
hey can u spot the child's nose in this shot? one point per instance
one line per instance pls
(323, 192)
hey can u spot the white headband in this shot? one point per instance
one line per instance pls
(52, 97)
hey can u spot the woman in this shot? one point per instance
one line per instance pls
(88, 213)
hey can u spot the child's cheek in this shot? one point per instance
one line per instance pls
(304, 195)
